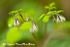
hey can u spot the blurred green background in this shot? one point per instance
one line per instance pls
(35, 8)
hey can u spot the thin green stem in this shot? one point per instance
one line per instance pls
(36, 40)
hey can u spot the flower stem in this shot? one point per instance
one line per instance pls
(36, 40)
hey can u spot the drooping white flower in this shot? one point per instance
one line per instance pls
(60, 19)
(16, 22)
(34, 28)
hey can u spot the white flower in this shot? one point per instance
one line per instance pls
(27, 18)
(34, 28)
(60, 19)
(16, 22)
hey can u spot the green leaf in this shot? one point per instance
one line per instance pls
(19, 10)
(47, 7)
(50, 13)
(52, 4)
(13, 35)
(59, 11)
(41, 16)
(18, 17)
(27, 36)
(46, 19)
(11, 21)
(55, 12)
(25, 26)
(52, 8)
(13, 12)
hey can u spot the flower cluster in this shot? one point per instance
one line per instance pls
(54, 13)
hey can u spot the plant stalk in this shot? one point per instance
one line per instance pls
(36, 40)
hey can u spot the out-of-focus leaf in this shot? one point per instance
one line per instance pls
(41, 16)
(52, 8)
(59, 11)
(19, 10)
(46, 19)
(13, 12)
(18, 17)
(25, 26)
(13, 35)
(52, 4)
(55, 12)
(50, 13)
(27, 36)
(11, 21)
(47, 7)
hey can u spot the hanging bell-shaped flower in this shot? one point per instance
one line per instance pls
(34, 27)
(16, 22)
(60, 19)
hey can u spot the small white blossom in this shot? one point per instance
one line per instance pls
(60, 19)
(27, 18)
(16, 23)
(34, 28)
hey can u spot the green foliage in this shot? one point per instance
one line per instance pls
(47, 7)
(51, 6)
(19, 10)
(11, 21)
(18, 17)
(13, 35)
(57, 12)
(41, 16)
(60, 11)
(50, 13)
(27, 36)
(15, 11)
(46, 19)
(25, 26)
